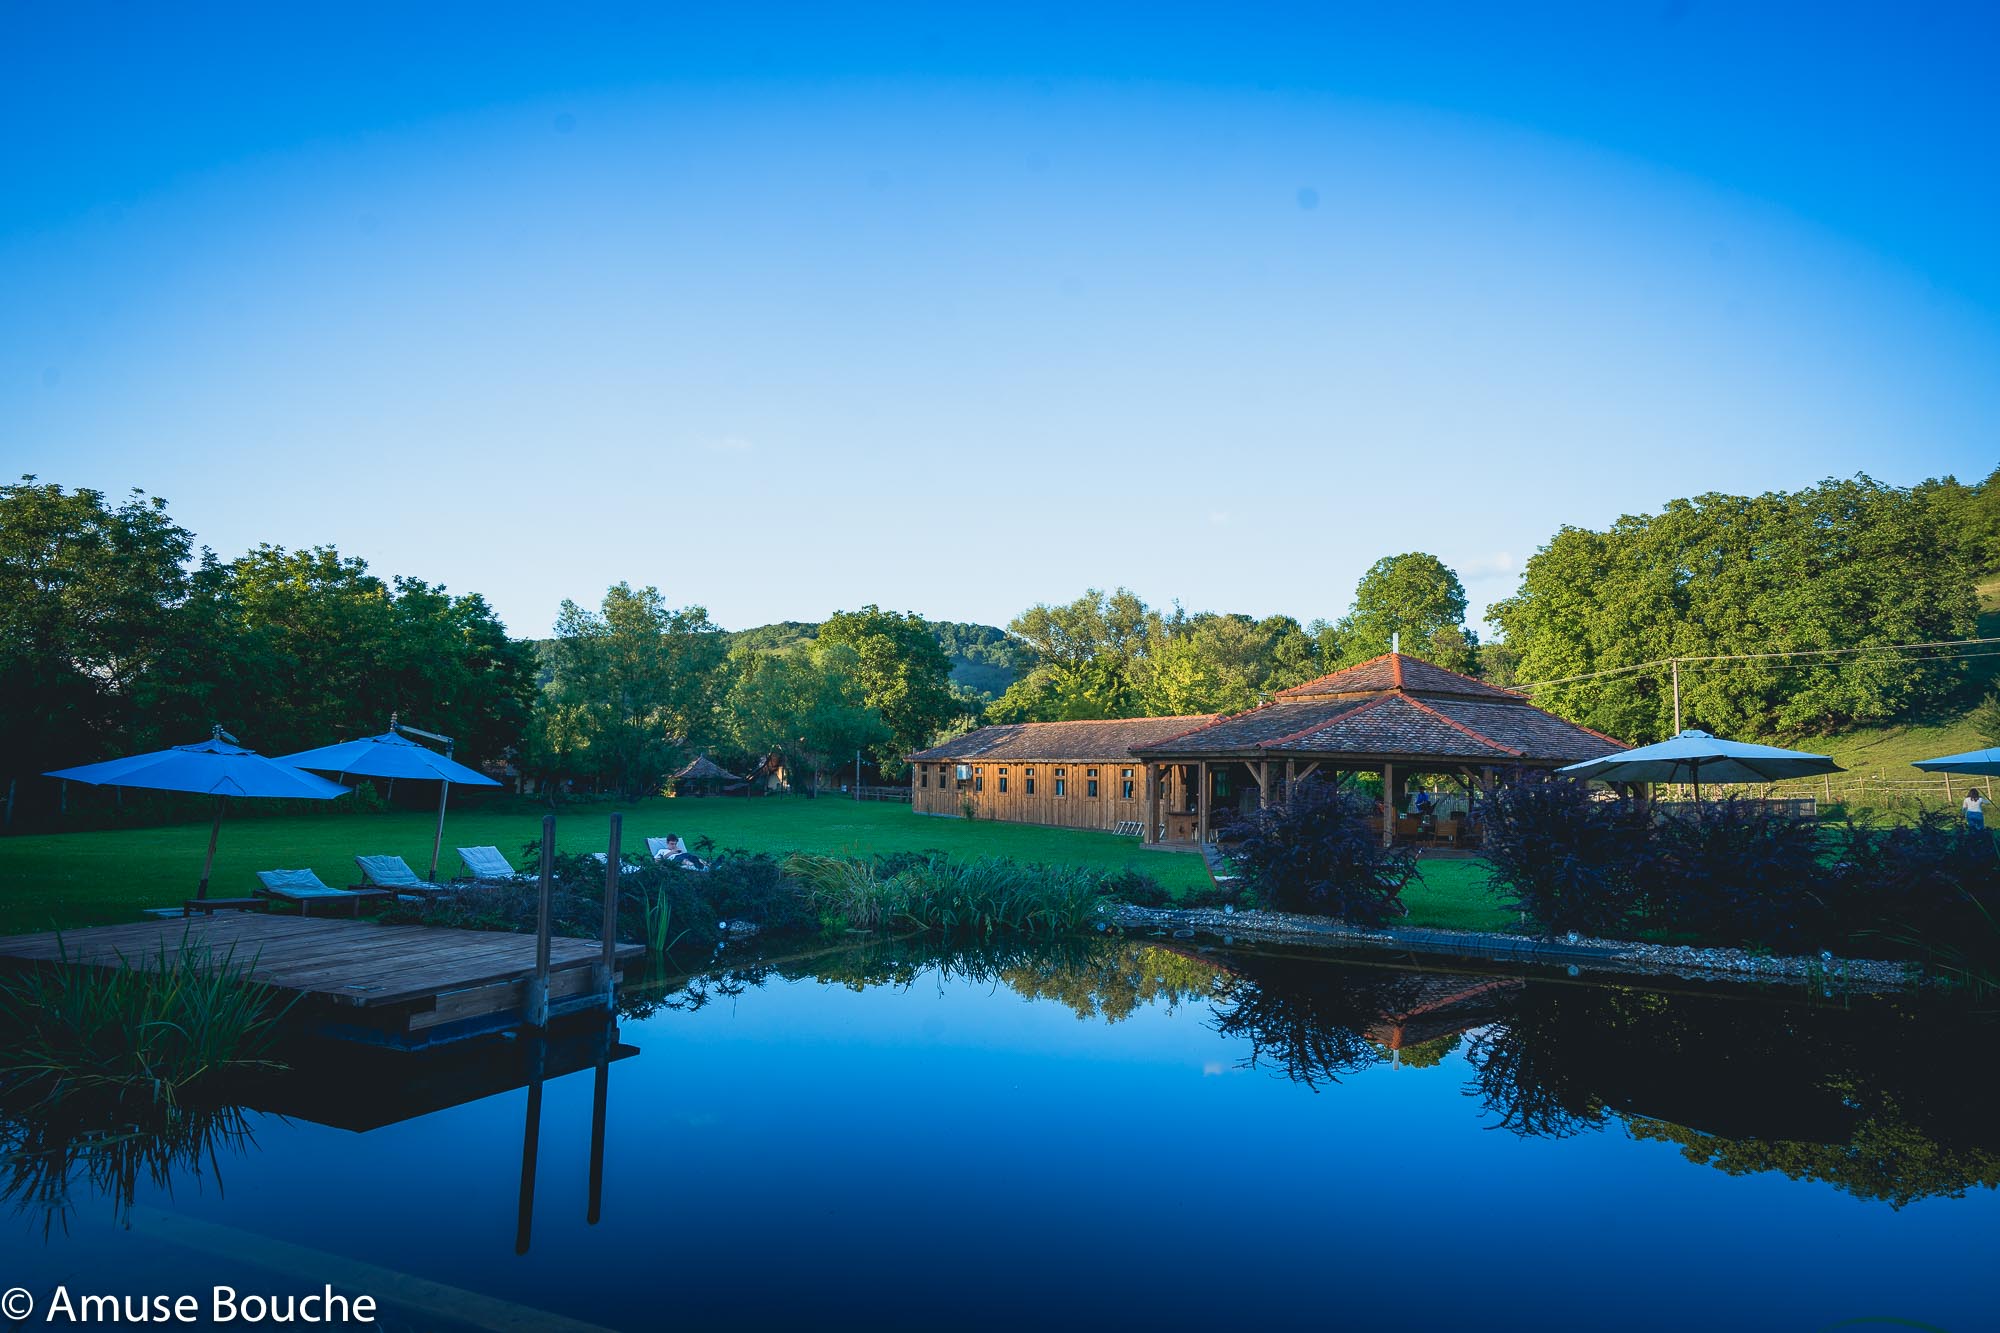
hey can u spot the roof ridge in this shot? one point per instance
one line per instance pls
(1452, 721)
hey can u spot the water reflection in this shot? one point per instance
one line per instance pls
(1885, 1100)
(1882, 1098)
(54, 1155)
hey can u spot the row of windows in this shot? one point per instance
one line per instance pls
(1060, 778)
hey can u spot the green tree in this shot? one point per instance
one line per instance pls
(805, 703)
(633, 690)
(88, 594)
(904, 675)
(1848, 564)
(1416, 596)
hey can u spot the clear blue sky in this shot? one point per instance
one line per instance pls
(790, 310)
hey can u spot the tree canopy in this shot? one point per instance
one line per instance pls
(1847, 564)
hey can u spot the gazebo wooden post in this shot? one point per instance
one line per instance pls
(1152, 802)
(1263, 784)
(1388, 803)
(1291, 779)
(1201, 802)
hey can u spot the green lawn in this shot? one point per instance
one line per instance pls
(78, 879)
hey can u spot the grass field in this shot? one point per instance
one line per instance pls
(79, 879)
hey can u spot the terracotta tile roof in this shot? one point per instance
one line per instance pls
(1111, 738)
(1528, 730)
(1258, 726)
(1395, 724)
(1394, 705)
(1396, 671)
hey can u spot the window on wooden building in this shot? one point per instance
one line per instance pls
(1027, 782)
(924, 778)
(1090, 782)
(1125, 784)
(979, 779)
(1062, 782)
(1003, 777)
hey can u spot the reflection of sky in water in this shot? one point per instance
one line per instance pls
(804, 1152)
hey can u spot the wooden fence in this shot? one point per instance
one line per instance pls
(901, 793)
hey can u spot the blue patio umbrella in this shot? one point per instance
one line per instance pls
(1980, 763)
(217, 767)
(1694, 755)
(393, 755)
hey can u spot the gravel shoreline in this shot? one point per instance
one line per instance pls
(1579, 952)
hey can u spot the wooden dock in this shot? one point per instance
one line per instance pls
(407, 986)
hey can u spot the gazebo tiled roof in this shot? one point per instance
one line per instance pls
(1391, 706)
(703, 768)
(1107, 738)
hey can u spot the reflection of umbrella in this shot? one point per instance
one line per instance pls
(217, 767)
(393, 755)
(1981, 763)
(1694, 755)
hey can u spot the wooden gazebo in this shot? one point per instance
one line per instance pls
(1397, 716)
(702, 776)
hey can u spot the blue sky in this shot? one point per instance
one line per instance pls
(790, 310)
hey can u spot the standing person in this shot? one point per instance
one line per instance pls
(1974, 806)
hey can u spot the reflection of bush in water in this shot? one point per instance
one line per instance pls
(1311, 1022)
(1895, 1163)
(1875, 1100)
(52, 1153)
(1108, 979)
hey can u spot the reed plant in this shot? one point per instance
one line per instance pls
(150, 1026)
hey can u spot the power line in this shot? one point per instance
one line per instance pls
(1670, 662)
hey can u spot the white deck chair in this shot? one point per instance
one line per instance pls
(392, 872)
(303, 888)
(486, 865)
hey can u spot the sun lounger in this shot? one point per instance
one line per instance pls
(302, 888)
(485, 865)
(394, 874)
(624, 867)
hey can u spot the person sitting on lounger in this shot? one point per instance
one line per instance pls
(675, 852)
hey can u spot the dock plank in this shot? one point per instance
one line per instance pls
(354, 964)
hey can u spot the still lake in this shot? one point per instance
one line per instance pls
(1109, 1132)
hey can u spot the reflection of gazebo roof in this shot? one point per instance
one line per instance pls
(1390, 706)
(1443, 1006)
(705, 768)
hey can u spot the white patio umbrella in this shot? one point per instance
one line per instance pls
(1695, 755)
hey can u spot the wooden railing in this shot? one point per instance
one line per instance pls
(881, 794)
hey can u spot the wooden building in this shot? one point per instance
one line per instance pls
(1176, 778)
(1064, 774)
(1396, 716)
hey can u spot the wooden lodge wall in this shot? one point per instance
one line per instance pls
(935, 789)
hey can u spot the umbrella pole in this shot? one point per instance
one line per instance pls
(214, 832)
(437, 839)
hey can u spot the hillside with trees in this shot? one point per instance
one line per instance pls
(126, 635)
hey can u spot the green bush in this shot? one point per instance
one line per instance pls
(1321, 852)
(156, 1028)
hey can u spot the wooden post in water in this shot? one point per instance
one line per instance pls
(531, 1134)
(536, 1011)
(605, 976)
(600, 1094)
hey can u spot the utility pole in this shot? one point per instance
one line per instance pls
(1677, 696)
(857, 775)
